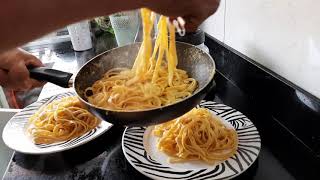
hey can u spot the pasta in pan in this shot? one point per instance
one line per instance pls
(197, 135)
(60, 120)
(153, 81)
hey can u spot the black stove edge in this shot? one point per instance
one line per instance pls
(277, 105)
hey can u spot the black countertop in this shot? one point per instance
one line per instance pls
(103, 158)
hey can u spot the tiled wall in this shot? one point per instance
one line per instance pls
(284, 36)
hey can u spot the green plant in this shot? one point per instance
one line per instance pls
(104, 24)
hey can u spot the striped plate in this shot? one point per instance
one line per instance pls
(139, 147)
(14, 133)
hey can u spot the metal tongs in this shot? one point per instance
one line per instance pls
(179, 24)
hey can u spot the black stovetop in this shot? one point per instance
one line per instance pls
(103, 157)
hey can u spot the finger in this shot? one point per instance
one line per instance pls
(25, 54)
(19, 75)
(34, 83)
(171, 19)
(33, 61)
(8, 59)
(23, 51)
(30, 84)
(30, 59)
(192, 25)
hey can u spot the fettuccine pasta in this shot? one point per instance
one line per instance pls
(153, 81)
(60, 120)
(197, 135)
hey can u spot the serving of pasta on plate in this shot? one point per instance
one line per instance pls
(61, 120)
(51, 125)
(213, 141)
(197, 135)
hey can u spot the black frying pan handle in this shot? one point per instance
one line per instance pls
(56, 77)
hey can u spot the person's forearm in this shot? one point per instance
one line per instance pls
(22, 21)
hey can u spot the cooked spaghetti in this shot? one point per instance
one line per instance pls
(60, 120)
(153, 81)
(197, 135)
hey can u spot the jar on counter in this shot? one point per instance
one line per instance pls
(80, 35)
(195, 38)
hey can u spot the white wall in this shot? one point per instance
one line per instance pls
(284, 36)
(215, 24)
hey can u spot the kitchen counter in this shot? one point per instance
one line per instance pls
(103, 158)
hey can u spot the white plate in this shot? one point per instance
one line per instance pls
(139, 147)
(15, 137)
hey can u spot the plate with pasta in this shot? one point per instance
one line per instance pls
(212, 141)
(53, 124)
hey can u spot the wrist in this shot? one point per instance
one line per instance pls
(101, 7)
(123, 5)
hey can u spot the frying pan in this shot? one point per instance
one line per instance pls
(198, 64)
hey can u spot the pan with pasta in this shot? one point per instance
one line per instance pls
(153, 81)
(142, 83)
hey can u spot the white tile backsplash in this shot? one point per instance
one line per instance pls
(284, 36)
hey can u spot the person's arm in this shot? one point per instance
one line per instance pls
(22, 21)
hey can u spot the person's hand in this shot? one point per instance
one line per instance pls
(13, 70)
(193, 11)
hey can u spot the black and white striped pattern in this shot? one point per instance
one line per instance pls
(248, 150)
(15, 137)
(70, 142)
